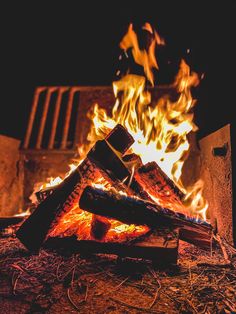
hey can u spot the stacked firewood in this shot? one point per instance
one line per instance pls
(149, 197)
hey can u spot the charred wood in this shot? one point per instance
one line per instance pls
(158, 184)
(35, 229)
(160, 246)
(8, 221)
(114, 170)
(131, 210)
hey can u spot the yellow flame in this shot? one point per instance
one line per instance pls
(160, 130)
(142, 57)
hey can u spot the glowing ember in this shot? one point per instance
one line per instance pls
(160, 132)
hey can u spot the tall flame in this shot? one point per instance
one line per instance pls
(160, 130)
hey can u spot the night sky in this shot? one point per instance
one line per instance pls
(77, 43)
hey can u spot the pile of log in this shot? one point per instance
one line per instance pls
(132, 210)
(151, 198)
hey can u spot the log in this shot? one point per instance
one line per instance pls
(161, 247)
(36, 228)
(159, 185)
(114, 170)
(42, 194)
(8, 221)
(131, 210)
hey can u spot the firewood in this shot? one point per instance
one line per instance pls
(42, 194)
(159, 185)
(132, 161)
(131, 210)
(7, 221)
(36, 228)
(160, 246)
(114, 170)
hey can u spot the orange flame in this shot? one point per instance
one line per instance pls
(142, 57)
(160, 131)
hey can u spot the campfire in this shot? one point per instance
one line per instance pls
(142, 222)
(125, 194)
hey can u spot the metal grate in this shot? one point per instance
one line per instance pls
(52, 119)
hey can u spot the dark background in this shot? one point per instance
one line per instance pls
(77, 43)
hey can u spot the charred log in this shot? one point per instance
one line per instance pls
(160, 246)
(8, 221)
(114, 169)
(35, 229)
(130, 210)
(158, 184)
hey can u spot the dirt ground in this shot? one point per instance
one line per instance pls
(202, 282)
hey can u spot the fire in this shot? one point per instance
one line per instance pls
(142, 57)
(160, 132)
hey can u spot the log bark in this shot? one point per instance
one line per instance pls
(42, 194)
(161, 247)
(8, 221)
(159, 185)
(130, 210)
(35, 229)
(114, 170)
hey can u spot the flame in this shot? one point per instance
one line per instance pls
(142, 57)
(51, 182)
(22, 213)
(160, 131)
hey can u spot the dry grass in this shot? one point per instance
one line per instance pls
(202, 282)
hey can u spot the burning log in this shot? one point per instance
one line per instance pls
(114, 170)
(159, 185)
(42, 194)
(35, 229)
(161, 247)
(7, 221)
(130, 210)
